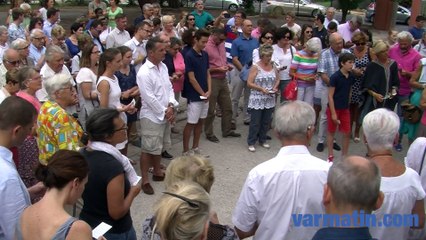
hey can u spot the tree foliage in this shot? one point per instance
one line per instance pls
(347, 5)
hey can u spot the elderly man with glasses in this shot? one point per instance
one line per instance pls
(22, 46)
(11, 60)
(37, 47)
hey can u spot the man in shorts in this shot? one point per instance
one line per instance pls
(158, 103)
(196, 89)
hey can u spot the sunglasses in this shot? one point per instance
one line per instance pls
(308, 32)
(287, 37)
(191, 19)
(190, 202)
(360, 44)
(269, 37)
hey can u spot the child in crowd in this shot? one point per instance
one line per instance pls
(339, 94)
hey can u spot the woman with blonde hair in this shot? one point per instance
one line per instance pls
(381, 81)
(183, 212)
(58, 39)
(168, 26)
(194, 169)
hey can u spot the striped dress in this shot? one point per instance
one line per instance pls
(305, 66)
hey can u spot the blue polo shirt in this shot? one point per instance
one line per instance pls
(416, 32)
(199, 64)
(331, 233)
(342, 90)
(243, 47)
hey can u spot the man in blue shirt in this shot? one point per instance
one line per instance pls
(417, 30)
(241, 53)
(17, 118)
(352, 185)
(196, 89)
(52, 18)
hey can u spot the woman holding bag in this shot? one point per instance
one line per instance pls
(304, 70)
(263, 80)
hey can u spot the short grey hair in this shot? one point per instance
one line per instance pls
(331, 9)
(146, 6)
(314, 45)
(18, 44)
(3, 29)
(293, 119)
(355, 182)
(52, 50)
(404, 35)
(25, 6)
(265, 49)
(55, 83)
(357, 19)
(36, 31)
(380, 128)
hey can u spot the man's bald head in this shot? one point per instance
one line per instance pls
(355, 182)
(247, 27)
(336, 42)
(11, 59)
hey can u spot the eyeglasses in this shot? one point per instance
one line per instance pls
(177, 49)
(14, 63)
(148, 31)
(269, 37)
(190, 202)
(122, 128)
(359, 44)
(39, 38)
(67, 88)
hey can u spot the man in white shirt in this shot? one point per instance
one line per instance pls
(137, 43)
(290, 183)
(329, 17)
(54, 65)
(119, 36)
(17, 118)
(156, 114)
(37, 48)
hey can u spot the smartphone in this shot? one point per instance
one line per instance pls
(227, 15)
(133, 102)
(203, 98)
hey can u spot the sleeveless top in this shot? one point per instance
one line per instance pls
(60, 234)
(264, 79)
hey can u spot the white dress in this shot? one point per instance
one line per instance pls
(114, 99)
(401, 193)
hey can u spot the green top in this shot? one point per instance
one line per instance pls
(112, 15)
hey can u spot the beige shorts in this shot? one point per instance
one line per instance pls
(155, 137)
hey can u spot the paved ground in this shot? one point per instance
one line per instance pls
(231, 159)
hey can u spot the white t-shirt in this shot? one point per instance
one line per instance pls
(401, 193)
(296, 29)
(85, 75)
(290, 183)
(283, 59)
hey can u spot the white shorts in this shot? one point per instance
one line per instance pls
(197, 111)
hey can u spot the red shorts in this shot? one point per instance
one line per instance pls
(345, 121)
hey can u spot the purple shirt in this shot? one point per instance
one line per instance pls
(345, 30)
(408, 62)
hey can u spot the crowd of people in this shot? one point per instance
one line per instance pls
(71, 103)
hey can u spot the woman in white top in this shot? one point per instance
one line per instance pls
(401, 185)
(266, 37)
(86, 81)
(283, 54)
(108, 88)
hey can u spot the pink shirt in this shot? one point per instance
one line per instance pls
(408, 62)
(179, 64)
(345, 30)
(217, 57)
(32, 99)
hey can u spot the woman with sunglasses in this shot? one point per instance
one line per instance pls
(363, 56)
(266, 37)
(304, 37)
(188, 24)
(282, 56)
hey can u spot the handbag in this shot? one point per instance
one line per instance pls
(245, 71)
(290, 91)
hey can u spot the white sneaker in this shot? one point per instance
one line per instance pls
(265, 145)
(197, 151)
(251, 148)
(188, 153)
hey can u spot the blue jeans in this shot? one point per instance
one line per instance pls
(129, 235)
(259, 125)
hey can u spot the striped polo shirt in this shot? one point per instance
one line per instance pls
(305, 66)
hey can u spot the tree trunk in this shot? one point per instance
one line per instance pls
(393, 15)
(344, 15)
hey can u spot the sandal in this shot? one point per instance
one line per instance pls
(357, 140)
